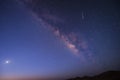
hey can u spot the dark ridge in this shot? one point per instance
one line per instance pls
(109, 75)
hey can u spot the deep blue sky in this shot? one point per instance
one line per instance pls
(59, 38)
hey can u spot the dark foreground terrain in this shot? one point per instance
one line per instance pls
(110, 75)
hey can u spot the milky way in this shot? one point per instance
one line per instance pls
(58, 25)
(59, 38)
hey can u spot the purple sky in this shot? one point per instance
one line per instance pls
(58, 38)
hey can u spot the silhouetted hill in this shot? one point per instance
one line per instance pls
(109, 75)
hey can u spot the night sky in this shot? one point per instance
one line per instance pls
(59, 38)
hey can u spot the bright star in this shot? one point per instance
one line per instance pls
(7, 62)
